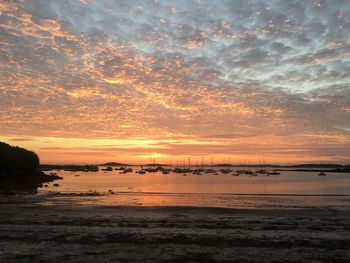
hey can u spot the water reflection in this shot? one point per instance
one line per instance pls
(289, 189)
(298, 183)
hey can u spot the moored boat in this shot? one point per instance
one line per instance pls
(322, 174)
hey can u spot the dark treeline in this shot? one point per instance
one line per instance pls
(306, 167)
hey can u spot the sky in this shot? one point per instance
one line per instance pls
(244, 81)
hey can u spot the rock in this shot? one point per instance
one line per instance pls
(19, 170)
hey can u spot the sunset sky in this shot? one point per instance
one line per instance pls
(242, 81)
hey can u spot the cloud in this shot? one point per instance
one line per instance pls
(206, 69)
(21, 139)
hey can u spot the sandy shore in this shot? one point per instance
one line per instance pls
(31, 232)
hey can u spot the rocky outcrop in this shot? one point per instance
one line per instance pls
(19, 169)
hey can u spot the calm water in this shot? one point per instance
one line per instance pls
(222, 190)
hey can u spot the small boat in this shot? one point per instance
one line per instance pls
(182, 170)
(198, 171)
(275, 172)
(322, 174)
(126, 170)
(108, 169)
(151, 170)
(225, 171)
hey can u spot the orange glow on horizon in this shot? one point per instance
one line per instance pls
(168, 151)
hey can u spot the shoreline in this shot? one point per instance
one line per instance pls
(11, 184)
(32, 232)
(200, 201)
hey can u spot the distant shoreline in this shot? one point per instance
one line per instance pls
(305, 165)
(334, 168)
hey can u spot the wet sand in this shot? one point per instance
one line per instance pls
(32, 232)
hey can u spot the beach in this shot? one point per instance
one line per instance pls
(35, 229)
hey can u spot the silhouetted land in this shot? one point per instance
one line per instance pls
(19, 170)
(305, 165)
(335, 168)
(155, 164)
(69, 167)
(345, 169)
(114, 164)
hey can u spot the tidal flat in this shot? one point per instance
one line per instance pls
(31, 231)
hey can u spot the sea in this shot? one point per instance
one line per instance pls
(289, 189)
